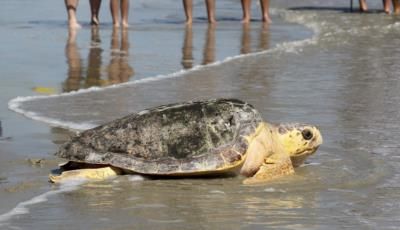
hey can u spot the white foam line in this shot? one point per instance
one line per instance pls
(286, 47)
(15, 106)
(23, 207)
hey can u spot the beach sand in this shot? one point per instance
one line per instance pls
(316, 63)
(43, 58)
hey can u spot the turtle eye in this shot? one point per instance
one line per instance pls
(307, 134)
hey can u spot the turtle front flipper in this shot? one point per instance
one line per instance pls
(90, 174)
(266, 157)
(260, 147)
(275, 167)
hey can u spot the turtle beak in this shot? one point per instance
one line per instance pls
(317, 140)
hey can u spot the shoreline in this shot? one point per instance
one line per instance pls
(24, 180)
(336, 81)
(287, 46)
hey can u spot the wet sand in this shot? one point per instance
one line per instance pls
(43, 58)
(338, 75)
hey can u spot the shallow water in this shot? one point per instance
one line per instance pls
(342, 77)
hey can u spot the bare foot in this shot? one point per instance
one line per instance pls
(116, 24)
(396, 7)
(125, 24)
(363, 8)
(245, 20)
(266, 19)
(74, 25)
(95, 21)
(188, 21)
(212, 21)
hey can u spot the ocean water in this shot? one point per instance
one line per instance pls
(317, 63)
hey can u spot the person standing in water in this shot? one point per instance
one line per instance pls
(188, 7)
(94, 9)
(72, 5)
(386, 6)
(396, 6)
(246, 6)
(115, 7)
(363, 5)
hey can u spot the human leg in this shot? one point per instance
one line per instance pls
(188, 7)
(396, 6)
(125, 13)
(246, 4)
(363, 5)
(386, 6)
(71, 6)
(94, 9)
(114, 8)
(265, 11)
(210, 4)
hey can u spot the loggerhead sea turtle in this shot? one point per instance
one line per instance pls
(188, 139)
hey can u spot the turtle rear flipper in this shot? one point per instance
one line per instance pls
(95, 174)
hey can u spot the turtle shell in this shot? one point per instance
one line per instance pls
(178, 139)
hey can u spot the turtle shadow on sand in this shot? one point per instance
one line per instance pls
(209, 138)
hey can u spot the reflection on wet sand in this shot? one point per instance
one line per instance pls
(99, 196)
(246, 39)
(277, 200)
(246, 42)
(209, 49)
(93, 71)
(205, 203)
(74, 62)
(209, 45)
(96, 73)
(118, 70)
(187, 49)
(263, 43)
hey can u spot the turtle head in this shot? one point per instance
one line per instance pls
(299, 140)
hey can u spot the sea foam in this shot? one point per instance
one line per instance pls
(23, 207)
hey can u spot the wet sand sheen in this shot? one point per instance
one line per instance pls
(93, 57)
